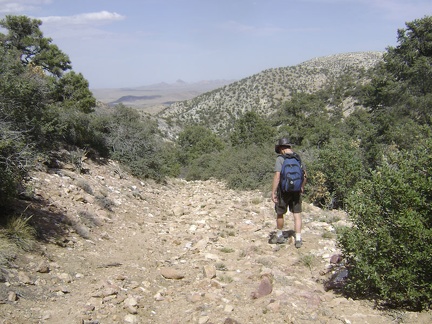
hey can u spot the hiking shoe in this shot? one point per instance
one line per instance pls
(277, 239)
(298, 244)
(280, 239)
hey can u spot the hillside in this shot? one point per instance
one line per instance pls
(265, 91)
(114, 249)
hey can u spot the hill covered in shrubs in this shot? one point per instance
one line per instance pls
(264, 92)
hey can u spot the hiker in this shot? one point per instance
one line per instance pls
(288, 196)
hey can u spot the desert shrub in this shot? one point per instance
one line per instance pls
(15, 158)
(305, 118)
(341, 164)
(105, 202)
(194, 141)
(23, 95)
(84, 185)
(242, 168)
(171, 166)
(389, 248)
(134, 143)
(251, 129)
(89, 219)
(72, 90)
(316, 189)
(71, 127)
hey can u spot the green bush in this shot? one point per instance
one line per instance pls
(389, 248)
(15, 159)
(251, 129)
(196, 140)
(244, 168)
(342, 165)
(133, 142)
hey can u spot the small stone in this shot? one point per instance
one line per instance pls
(132, 310)
(24, 278)
(130, 302)
(65, 277)
(209, 271)
(178, 211)
(194, 298)
(274, 306)
(171, 273)
(109, 291)
(130, 318)
(89, 308)
(12, 296)
(43, 267)
(265, 288)
(335, 259)
(159, 297)
(201, 244)
(64, 289)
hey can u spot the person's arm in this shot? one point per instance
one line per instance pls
(304, 181)
(275, 186)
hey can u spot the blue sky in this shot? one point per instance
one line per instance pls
(128, 43)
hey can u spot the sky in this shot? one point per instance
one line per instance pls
(132, 43)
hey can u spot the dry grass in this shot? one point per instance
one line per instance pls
(18, 232)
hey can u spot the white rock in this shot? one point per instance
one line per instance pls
(130, 318)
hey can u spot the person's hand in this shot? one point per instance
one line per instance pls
(274, 197)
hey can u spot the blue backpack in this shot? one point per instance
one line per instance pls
(291, 176)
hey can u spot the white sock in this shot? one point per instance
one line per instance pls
(298, 237)
(279, 232)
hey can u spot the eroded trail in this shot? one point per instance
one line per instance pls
(183, 252)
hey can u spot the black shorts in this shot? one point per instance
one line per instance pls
(291, 200)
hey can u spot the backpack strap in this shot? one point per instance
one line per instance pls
(293, 155)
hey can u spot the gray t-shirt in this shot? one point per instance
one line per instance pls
(278, 164)
(280, 160)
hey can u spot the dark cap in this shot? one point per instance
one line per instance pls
(282, 142)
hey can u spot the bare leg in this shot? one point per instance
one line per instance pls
(280, 222)
(297, 228)
(297, 223)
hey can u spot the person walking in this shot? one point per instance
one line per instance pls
(287, 196)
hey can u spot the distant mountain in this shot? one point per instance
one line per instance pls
(265, 91)
(153, 98)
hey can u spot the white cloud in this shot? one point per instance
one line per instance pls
(84, 26)
(8, 7)
(93, 18)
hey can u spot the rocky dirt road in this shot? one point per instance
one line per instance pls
(114, 249)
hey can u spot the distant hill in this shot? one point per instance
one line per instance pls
(263, 92)
(154, 98)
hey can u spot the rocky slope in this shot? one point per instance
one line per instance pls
(265, 91)
(114, 249)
